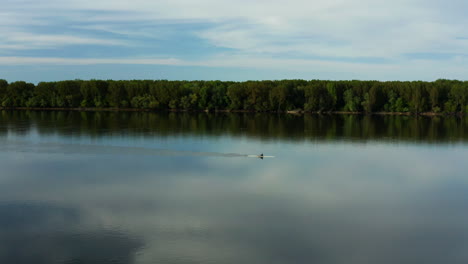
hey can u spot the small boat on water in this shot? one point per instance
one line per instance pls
(260, 156)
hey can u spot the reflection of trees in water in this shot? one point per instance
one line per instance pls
(262, 126)
(49, 234)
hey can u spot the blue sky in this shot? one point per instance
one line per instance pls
(233, 40)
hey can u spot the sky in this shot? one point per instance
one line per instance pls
(51, 40)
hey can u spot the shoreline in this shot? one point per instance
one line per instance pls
(293, 112)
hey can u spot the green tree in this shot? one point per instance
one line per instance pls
(457, 98)
(3, 89)
(352, 102)
(18, 93)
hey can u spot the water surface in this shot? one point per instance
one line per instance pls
(180, 188)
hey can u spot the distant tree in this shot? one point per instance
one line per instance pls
(418, 97)
(457, 100)
(68, 93)
(236, 93)
(317, 98)
(352, 102)
(18, 93)
(3, 90)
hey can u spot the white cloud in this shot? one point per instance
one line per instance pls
(416, 69)
(35, 41)
(83, 61)
(257, 31)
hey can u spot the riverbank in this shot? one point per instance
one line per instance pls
(292, 112)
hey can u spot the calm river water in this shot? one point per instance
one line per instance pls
(179, 188)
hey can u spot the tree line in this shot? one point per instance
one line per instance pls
(441, 96)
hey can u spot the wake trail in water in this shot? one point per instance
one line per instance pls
(257, 156)
(64, 148)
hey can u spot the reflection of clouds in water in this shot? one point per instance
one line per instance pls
(40, 233)
(60, 148)
(252, 229)
(355, 208)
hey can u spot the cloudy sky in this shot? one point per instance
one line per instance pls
(233, 40)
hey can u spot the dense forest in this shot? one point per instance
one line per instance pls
(441, 96)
